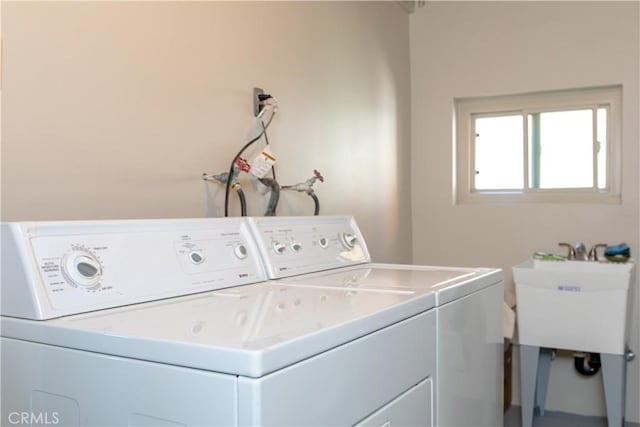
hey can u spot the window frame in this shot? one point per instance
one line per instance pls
(467, 109)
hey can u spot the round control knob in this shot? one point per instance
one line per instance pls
(278, 247)
(196, 257)
(81, 269)
(323, 242)
(295, 247)
(348, 240)
(240, 252)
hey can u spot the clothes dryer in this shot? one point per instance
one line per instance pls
(331, 253)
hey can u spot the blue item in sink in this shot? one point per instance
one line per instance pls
(621, 249)
(619, 253)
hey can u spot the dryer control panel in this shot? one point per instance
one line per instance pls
(51, 269)
(296, 245)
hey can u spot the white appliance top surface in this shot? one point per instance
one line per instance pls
(447, 283)
(247, 330)
(250, 328)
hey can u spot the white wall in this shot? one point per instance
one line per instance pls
(462, 49)
(115, 109)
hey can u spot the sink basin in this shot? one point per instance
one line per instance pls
(574, 305)
(578, 267)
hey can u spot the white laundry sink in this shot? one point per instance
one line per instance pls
(574, 305)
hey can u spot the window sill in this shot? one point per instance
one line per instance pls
(546, 196)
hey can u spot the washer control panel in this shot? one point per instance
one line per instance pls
(296, 245)
(61, 268)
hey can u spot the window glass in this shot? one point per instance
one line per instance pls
(498, 153)
(602, 147)
(562, 149)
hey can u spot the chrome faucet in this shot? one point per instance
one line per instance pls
(572, 252)
(579, 252)
(593, 252)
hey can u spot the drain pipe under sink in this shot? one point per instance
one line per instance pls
(591, 367)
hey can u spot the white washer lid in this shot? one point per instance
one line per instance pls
(448, 283)
(247, 330)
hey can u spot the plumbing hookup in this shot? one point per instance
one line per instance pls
(307, 187)
(262, 165)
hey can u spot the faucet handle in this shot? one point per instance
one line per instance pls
(593, 252)
(572, 252)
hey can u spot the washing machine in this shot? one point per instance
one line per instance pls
(331, 253)
(172, 322)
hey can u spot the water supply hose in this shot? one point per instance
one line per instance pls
(316, 202)
(243, 199)
(274, 187)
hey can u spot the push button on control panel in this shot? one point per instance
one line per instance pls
(196, 257)
(323, 242)
(240, 252)
(278, 247)
(348, 240)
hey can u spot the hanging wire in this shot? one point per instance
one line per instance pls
(242, 150)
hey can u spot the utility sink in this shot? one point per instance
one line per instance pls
(574, 305)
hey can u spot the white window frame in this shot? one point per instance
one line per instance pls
(466, 109)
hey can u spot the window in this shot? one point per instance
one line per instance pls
(551, 147)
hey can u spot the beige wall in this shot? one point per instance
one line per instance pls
(461, 49)
(114, 110)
